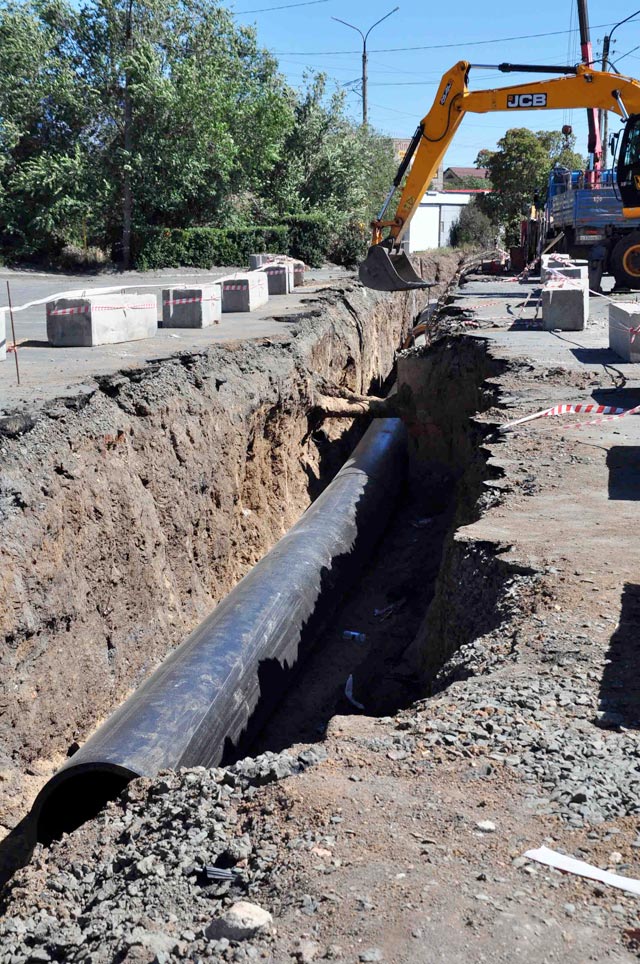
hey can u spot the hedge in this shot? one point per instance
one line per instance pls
(308, 238)
(204, 247)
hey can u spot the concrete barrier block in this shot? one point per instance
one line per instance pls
(257, 260)
(624, 330)
(569, 271)
(551, 264)
(191, 307)
(3, 335)
(245, 292)
(101, 320)
(298, 273)
(565, 305)
(279, 278)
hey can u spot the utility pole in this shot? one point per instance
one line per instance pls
(127, 195)
(606, 47)
(594, 145)
(365, 110)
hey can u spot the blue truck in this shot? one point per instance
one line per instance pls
(591, 221)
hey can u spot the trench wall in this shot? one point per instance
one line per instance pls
(128, 512)
(446, 388)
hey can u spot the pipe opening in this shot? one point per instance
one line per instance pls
(75, 798)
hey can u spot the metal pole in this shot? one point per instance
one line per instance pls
(604, 122)
(364, 85)
(13, 333)
(365, 111)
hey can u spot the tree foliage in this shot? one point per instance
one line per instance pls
(473, 227)
(173, 104)
(519, 170)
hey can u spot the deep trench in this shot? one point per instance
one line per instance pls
(382, 632)
(401, 601)
(398, 600)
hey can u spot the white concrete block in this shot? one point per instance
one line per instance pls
(101, 319)
(298, 273)
(280, 279)
(559, 263)
(565, 305)
(3, 335)
(624, 330)
(257, 260)
(245, 292)
(569, 271)
(191, 307)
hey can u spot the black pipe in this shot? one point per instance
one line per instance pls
(219, 685)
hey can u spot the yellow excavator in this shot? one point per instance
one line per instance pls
(386, 267)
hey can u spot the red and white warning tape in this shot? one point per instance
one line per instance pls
(581, 408)
(188, 301)
(88, 308)
(236, 287)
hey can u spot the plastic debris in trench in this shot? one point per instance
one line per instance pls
(348, 692)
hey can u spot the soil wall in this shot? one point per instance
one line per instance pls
(446, 387)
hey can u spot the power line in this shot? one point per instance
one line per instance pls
(470, 43)
(286, 6)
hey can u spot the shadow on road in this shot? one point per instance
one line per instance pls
(623, 462)
(620, 684)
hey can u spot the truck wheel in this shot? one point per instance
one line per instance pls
(625, 261)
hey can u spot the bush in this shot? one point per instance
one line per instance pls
(307, 237)
(310, 237)
(74, 258)
(351, 243)
(204, 247)
(472, 227)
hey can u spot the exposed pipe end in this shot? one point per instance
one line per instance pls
(75, 795)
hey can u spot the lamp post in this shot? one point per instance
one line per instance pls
(365, 56)
(606, 45)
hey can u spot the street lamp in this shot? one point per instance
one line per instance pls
(364, 55)
(606, 44)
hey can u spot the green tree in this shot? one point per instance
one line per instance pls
(520, 169)
(126, 114)
(45, 106)
(192, 109)
(332, 166)
(473, 227)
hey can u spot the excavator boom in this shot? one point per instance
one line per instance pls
(386, 268)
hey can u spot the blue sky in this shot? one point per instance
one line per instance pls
(402, 84)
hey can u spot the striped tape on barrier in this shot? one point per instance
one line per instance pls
(188, 301)
(87, 308)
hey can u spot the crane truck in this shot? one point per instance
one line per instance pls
(387, 268)
(590, 219)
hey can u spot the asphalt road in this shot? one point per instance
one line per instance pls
(47, 372)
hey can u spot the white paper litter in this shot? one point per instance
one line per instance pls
(348, 692)
(572, 866)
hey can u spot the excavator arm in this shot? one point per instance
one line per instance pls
(385, 268)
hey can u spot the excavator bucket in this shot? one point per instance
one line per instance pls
(389, 272)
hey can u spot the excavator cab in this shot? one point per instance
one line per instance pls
(628, 168)
(384, 271)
